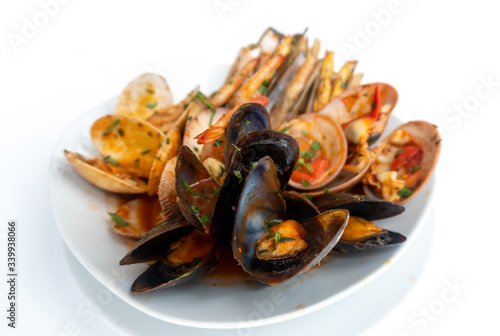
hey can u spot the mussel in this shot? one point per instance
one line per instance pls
(278, 236)
(360, 233)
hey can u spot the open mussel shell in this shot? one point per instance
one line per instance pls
(357, 102)
(246, 119)
(143, 96)
(167, 151)
(132, 142)
(313, 128)
(281, 147)
(196, 205)
(262, 200)
(106, 175)
(422, 134)
(368, 208)
(139, 215)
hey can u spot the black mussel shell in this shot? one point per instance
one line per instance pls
(369, 208)
(262, 200)
(281, 147)
(190, 170)
(162, 275)
(246, 119)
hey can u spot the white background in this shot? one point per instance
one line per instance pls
(435, 53)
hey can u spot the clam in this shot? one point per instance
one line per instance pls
(403, 162)
(136, 217)
(167, 151)
(323, 150)
(106, 174)
(143, 96)
(277, 237)
(360, 233)
(131, 142)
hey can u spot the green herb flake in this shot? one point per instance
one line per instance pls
(213, 176)
(437, 142)
(308, 155)
(405, 192)
(264, 88)
(196, 149)
(327, 191)
(214, 190)
(205, 219)
(263, 251)
(273, 222)
(285, 129)
(285, 239)
(111, 160)
(302, 163)
(218, 142)
(157, 158)
(239, 176)
(277, 238)
(110, 128)
(414, 169)
(252, 165)
(248, 122)
(222, 170)
(344, 85)
(201, 97)
(151, 105)
(305, 183)
(309, 197)
(118, 220)
(316, 145)
(120, 131)
(195, 208)
(188, 187)
(168, 141)
(214, 94)
(189, 118)
(303, 132)
(230, 83)
(151, 135)
(144, 152)
(399, 152)
(239, 150)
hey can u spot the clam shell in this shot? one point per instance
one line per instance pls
(132, 142)
(143, 96)
(333, 144)
(105, 180)
(140, 214)
(428, 136)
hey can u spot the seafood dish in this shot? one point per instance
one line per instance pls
(285, 164)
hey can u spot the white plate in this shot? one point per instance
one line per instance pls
(81, 214)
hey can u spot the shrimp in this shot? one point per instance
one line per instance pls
(220, 97)
(218, 130)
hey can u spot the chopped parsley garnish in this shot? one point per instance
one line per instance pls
(264, 88)
(218, 142)
(302, 163)
(151, 135)
(189, 118)
(205, 219)
(151, 105)
(285, 129)
(305, 183)
(316, 145)
(157, 158)
(214, 94)
(308, 155)
(437, 142)
(399, 152)
(118, 220)
(405, 192)
(214, 191)
(222, 170)
(309, 197)
(188, 187)
(211, 118)
(120, 131)
(213, 176)
(277, 237)
(251, 165)
(239, 176)
(414, 169)
(239, 150)
(168, 141)
(273, 222)
(263, 251)
(303, 132)
(111, 160)
(146, 151)
(327, 191)
(110, 128)
(196, 149)
(285, 239)
(201, 97)
(247, 122)
(230, 83)
(195, 208)
(344, 85)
